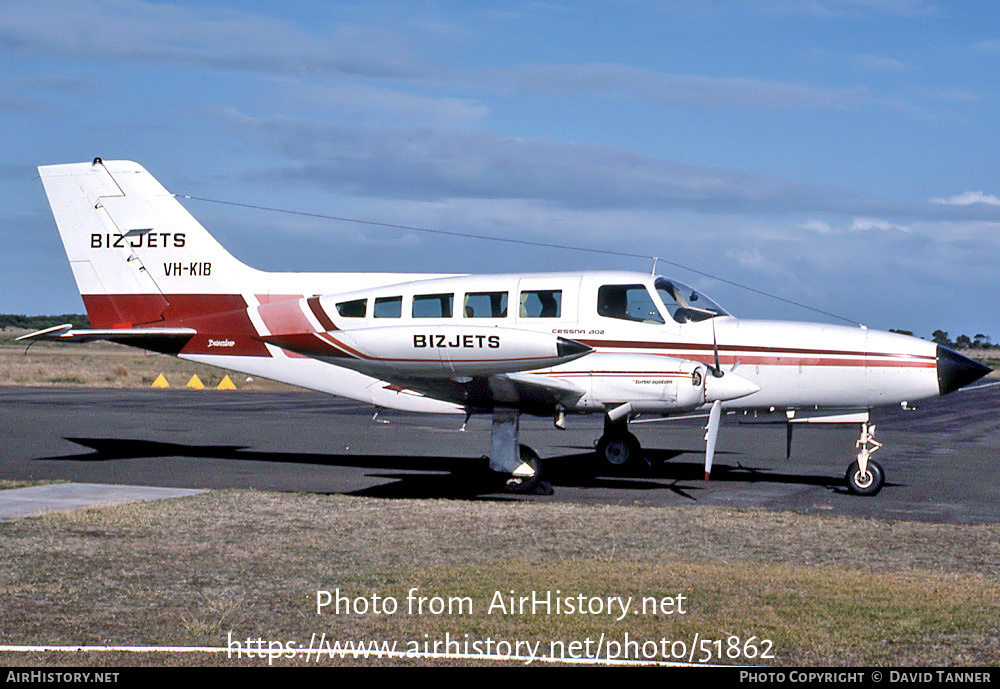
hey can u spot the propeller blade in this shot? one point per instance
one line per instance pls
(711, 434)
(715, 347)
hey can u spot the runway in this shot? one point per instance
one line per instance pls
(940, 461)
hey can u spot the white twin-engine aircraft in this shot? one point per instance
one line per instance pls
(612, 343)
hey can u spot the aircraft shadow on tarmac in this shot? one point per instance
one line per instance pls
(466, 478)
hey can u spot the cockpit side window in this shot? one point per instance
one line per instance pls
(627, 302)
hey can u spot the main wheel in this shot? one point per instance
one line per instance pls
(526, 477)
(619, 450)
(865, 484)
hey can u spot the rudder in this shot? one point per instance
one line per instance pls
(137, 255)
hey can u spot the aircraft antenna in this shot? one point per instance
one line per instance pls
(522, 242)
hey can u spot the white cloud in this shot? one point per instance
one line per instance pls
(240, 40)
(880, 63)
(625, 81)
(869, 224)
(221, 38)
(361, 102)
(817, 226)
(969, 198)
(434, 164)
(991, 47)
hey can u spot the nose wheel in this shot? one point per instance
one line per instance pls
(866, 476)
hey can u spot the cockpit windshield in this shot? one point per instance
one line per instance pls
(685, 303)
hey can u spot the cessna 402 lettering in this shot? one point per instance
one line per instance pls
(617, 344)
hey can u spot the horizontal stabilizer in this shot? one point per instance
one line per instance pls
(163, 340)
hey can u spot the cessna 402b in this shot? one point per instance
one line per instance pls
(611, 343)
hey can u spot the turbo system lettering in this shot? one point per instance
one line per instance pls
(456, 341)
(146, 240)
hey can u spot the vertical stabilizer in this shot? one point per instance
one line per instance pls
(137, 255)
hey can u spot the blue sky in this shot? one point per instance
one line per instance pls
(841, 153)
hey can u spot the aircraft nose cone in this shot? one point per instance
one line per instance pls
(955, 370)
(571, 349)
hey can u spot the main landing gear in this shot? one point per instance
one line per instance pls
(865, 476)
(518, 465)
(619, 449)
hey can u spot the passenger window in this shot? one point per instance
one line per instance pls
(388, 307)
(541, 304)
(353, 309)
(485, 305)
(627, 302)
(432, 305)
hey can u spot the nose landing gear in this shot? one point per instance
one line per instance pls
(866, 476)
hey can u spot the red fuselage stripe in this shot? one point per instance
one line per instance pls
(317, 309)
(733, 349)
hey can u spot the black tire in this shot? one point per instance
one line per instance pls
(525, 484)
(619, 450)
(865, 485)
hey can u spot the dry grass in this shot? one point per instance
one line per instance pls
(7, 485)
(990, 357)
(825, 590)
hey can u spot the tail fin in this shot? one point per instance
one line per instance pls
(137, 255)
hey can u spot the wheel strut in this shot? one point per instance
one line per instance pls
(867, 438)
(865, 476)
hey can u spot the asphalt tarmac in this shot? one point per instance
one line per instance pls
(941, 461)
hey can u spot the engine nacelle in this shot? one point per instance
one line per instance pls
(434, 351)
(649, 383)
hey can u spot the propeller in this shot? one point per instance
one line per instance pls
(721, 386)
(712, 429)
(717, 369)
(711, 434)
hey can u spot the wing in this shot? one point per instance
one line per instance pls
(531, 393)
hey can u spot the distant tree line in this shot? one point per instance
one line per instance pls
(978, 341)
(941, 337)
(11, 320)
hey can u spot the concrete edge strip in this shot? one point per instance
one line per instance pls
(33, 501)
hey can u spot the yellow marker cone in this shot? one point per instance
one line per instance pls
(226, 384)
(195, 383)
(160, 382)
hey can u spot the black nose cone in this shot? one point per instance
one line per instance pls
(955, 370)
